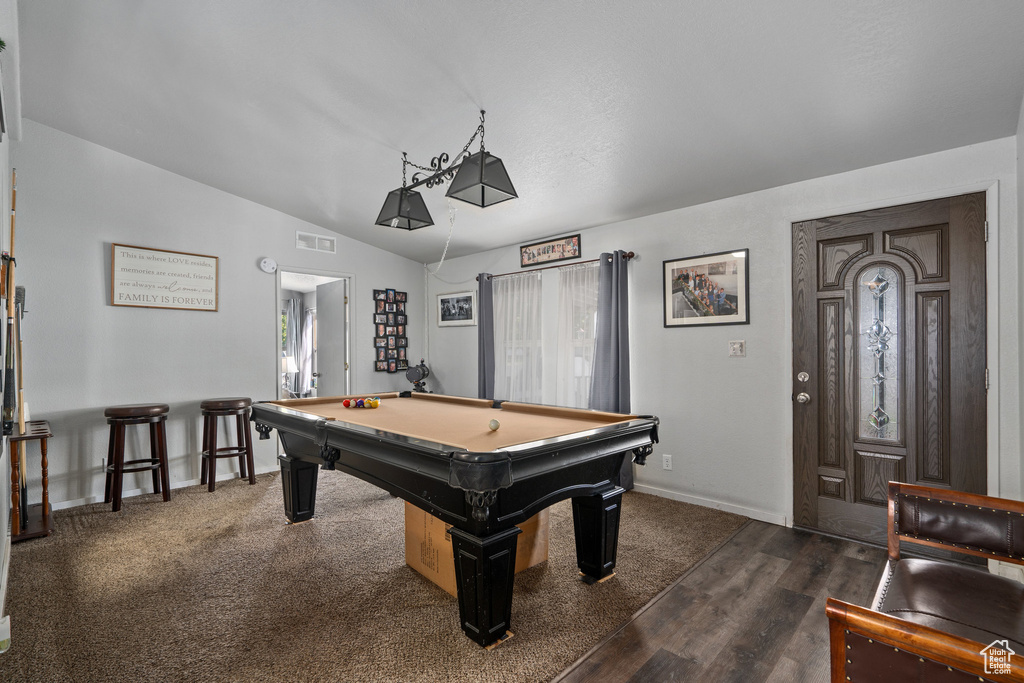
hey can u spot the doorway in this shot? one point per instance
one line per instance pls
(888, 359)
(313, 358)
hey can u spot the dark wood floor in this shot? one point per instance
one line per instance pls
(752, 611)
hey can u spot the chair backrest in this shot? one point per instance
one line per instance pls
(966, 522)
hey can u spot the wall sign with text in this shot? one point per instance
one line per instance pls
(156, 278)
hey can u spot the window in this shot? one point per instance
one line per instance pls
(577, 328)
(517, 338)
(544, 328)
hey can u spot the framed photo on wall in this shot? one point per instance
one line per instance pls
(456, 308)
(711, 289)
(549, 251)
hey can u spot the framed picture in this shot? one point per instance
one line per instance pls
(380, 318)
(381, 366)
(391, 295)
(158, 278)
(401, 296)
(379, 295)
(456, 308)
(711, 289)
(550, 251)
(380, 342)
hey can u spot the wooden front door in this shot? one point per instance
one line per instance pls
(888, 359)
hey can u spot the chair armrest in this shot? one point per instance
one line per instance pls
(968, 523)
(866, 645)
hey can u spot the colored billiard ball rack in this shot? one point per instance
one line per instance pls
(390, 345)
(361, 402)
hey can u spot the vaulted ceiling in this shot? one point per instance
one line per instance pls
(601, 110)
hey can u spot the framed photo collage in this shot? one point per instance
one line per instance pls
(390, 343)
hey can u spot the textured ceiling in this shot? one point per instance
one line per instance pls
(601, 111)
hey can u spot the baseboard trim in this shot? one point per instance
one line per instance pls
(752, 513)
(138, 492)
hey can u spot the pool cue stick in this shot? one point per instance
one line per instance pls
(19, 306)
(8, 413)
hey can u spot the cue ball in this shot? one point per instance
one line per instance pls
(494, 424)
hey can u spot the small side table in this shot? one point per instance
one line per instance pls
(38, 520)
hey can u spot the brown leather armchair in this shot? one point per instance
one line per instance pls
(934, 620)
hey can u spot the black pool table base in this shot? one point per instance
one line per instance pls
(485, 566)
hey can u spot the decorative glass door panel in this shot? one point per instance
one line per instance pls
(879, 293)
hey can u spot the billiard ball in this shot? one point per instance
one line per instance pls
(494, 424)
(359, 403)
(347, 403)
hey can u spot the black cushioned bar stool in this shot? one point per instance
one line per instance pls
(212, 409)
(118, 417)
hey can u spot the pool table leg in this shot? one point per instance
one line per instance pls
(596, 521)
(299, 483)
(484, 570)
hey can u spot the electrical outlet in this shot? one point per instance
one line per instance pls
(666, 461)
(738, 348)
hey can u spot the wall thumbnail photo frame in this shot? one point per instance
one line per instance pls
(549, 251)
(710, 289)
(456, 308)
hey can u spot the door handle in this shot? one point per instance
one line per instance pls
(803, 397)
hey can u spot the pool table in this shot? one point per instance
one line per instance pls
(439, 453)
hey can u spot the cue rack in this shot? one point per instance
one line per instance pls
(27, 521)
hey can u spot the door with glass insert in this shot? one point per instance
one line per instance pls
(888, 359)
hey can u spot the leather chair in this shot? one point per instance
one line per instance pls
(936, 620)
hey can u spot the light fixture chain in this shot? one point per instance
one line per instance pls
(435, 168)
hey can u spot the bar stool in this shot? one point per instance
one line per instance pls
(118, 417)
(212, 409)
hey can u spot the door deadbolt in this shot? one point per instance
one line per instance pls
(803, 377)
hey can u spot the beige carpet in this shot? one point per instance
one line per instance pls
(215, 587)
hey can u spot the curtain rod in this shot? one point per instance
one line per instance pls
(627, 256)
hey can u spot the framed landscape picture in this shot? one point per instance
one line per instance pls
(711, 289)
(456, 308)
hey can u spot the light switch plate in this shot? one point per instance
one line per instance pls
(738, 348)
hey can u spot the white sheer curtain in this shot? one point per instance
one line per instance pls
(577, 325)
(517, 337)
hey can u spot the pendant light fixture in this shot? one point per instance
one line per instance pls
(480, 179)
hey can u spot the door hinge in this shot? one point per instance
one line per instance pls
(986, 379)
(986, 231)
(986, 239)
(986, 374)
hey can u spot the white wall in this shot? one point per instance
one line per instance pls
(728, 421)
(1020, 259)
(83, 355)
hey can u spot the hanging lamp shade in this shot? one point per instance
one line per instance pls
(404, 209)
(482, 181)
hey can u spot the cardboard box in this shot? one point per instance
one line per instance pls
(428, 546)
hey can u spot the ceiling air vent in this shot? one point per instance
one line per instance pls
(307, 240)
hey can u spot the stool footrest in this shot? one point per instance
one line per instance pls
(227, 452)
(150, 464)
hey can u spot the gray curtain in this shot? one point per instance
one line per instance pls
(293, 321)
(485, 337)
(610, 388)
